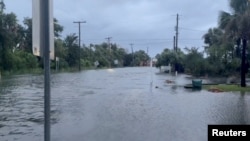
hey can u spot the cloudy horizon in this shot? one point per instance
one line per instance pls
(144, 23)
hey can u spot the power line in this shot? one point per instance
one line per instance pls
(184, 28)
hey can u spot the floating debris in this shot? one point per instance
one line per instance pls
(169, 81)
(215, 90)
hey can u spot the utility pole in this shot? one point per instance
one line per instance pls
(176, 40)
(79, 27)
(109, 45)
(177, 31)
(174, 44)
(132, 53)
(2, 6)
(243, 62)
(147, 58)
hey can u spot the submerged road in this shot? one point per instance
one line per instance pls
(115, 105)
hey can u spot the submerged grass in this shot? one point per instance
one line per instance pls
(227, 87)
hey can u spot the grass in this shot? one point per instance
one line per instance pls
(23, 71)
(227, 87)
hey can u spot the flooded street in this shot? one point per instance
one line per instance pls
(115, 105)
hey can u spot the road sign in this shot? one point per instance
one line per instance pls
(96, 63)
(43, 46)
(37, 27)
(116, 62)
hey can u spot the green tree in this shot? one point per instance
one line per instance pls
(213, 37)
(58, 29)
(195, 64)
(9, 39)
(128, 59)
(119, 55)
(173, 58)
(72, 48)
(140, 57)
(26, 44)
(236, 26)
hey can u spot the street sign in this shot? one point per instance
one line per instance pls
(43, 46)
(116, 62)
(96, 63)
(37, 27)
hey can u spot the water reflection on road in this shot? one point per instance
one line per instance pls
(118, 104)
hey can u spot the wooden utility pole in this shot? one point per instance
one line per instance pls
(176, 40)
(132, 53)
(174, 44)
(109, 45)
(177, 31)
(79, 27)
(243, 63)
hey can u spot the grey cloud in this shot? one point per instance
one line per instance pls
(146, 23)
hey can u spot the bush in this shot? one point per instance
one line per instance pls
(23, 60)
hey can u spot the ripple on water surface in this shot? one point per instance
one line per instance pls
(115, 105)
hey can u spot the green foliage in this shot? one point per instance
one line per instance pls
(224, 52)
(140, 57)
(62, 64)
(72, 48)
(195, 64)
(128, 59)
(173, 58)
(58, 29)
(16, 49)
(26, 43)
(19, 60)
(86, 63)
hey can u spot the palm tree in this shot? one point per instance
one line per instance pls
(236, 26)
(213, 36)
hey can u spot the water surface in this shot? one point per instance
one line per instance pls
(123, 104)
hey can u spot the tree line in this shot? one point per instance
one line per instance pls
(226, 52)
(16, 49)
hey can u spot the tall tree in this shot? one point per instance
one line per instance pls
(71, 44)
(58, 29)
(213, 36)
(9, 39)
(27, 35)
(236, 26)
(195, 64)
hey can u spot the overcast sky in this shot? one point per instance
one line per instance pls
(144, 23)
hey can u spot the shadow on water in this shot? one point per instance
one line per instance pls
(243, 108)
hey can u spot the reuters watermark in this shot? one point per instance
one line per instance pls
(236, 132)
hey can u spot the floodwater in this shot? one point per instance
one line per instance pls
(123, 104)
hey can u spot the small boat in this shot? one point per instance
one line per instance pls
(197, 83)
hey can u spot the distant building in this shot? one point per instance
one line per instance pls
(154, 61)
